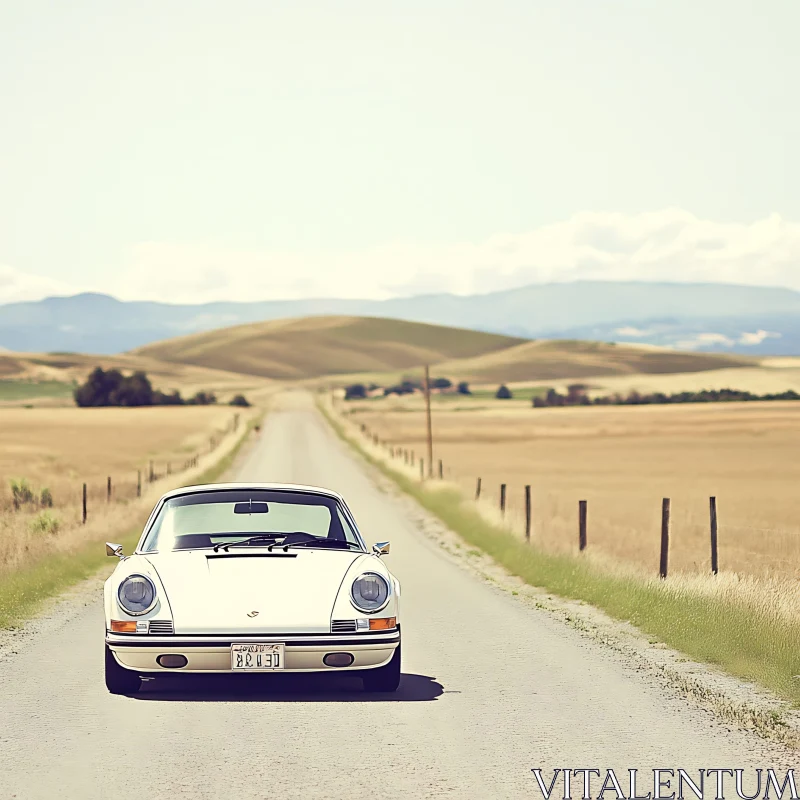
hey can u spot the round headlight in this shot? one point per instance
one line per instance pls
(137, 594)
(370, 592)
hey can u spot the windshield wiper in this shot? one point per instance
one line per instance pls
(331, 543)
(261, 538)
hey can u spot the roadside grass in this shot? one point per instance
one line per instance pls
(746, 640)
(23, 591)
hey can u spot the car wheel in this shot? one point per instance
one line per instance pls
(118, 679)
(384, 679)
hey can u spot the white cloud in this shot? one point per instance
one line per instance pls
(17, 286)
(629, 330)
(756, 337)
(704, 340)
(667, 245)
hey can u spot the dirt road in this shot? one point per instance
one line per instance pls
(491, 690)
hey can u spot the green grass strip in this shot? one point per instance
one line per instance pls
(742, 640)
(23, 591)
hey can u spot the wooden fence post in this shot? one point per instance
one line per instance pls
(139, 483)
(108, 490)
(441, 469)
(527, 513)
(582, 524)
(664, 563)
(422, 469)
(712, 502)
(478, 490)
(502, 498)
(152, 473)
(84, 503)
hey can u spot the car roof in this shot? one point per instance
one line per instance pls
(298, 487)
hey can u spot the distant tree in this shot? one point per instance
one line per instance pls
(202, 399)
(355, 391)
(240, 400)
(634, 399)
(98, 388)
(112, 388)
(539, 402)
(172, 399)
(504, 393)
(576, 393)
(660, 398)
(135, 390)
(463, 388)
(441, 383)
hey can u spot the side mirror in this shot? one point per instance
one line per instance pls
(114, 550)
(380, 548)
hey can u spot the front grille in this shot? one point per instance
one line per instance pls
(161, 626)
(343, 626)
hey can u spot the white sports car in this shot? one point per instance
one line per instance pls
(231, 578)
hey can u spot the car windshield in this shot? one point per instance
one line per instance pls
(255, 517)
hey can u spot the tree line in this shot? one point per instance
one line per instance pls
(359, 391)
(577, 396)
(112, 388)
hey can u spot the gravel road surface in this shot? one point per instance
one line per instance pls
(491, 689)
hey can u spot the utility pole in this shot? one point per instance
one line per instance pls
(428, 419)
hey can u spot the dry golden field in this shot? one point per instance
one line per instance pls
(60, 449)
(623, 461)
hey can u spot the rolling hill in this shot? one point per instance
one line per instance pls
(383, 349)
(310, 347)
(549, 359)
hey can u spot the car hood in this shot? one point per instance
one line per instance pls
(252, 593)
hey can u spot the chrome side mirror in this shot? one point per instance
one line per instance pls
(380, 548)
(114, 550)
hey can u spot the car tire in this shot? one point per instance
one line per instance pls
(383, 679)
(118, 679)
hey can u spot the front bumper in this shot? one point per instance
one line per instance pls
(209, 654)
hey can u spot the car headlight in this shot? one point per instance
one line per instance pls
(370, 592)
(137, 594)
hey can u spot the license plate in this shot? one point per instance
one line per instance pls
(256, 657)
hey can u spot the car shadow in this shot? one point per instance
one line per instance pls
(290, 688)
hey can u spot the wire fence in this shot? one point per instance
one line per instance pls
(84, 496)
(760, 549)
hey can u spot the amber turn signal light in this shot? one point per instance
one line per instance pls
(385, 624)
(123, 626)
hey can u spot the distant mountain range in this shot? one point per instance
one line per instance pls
(705, 317)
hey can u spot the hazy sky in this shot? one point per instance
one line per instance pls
(249, 149)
